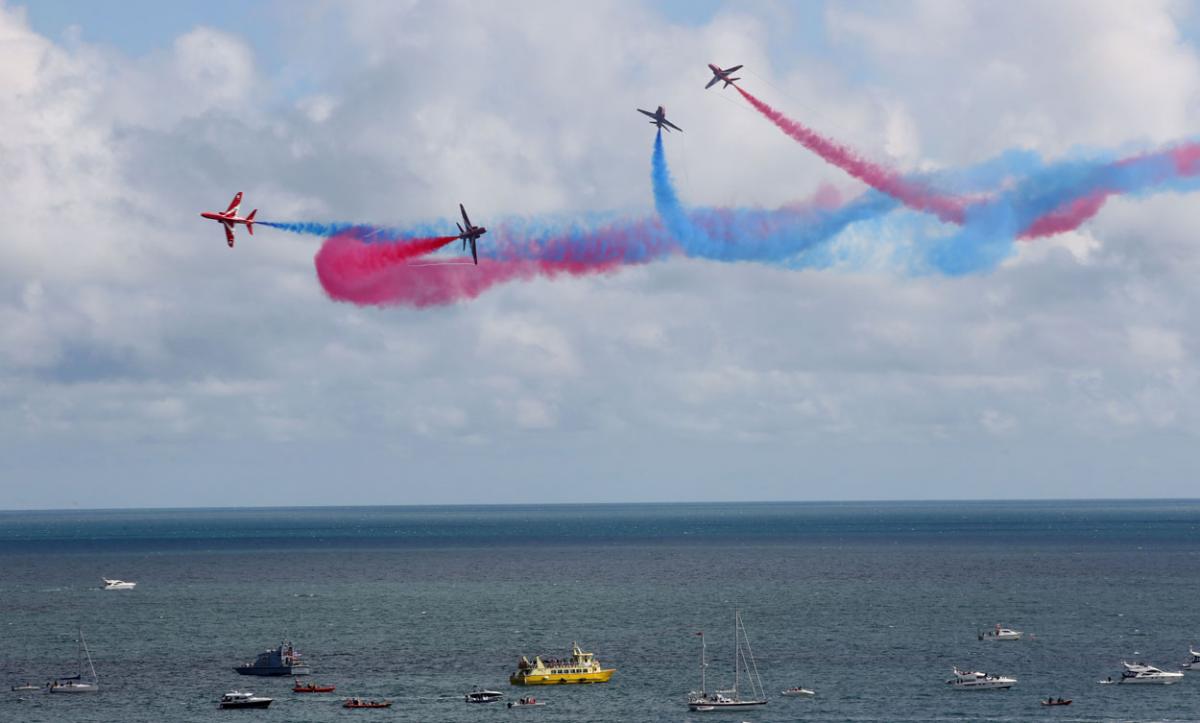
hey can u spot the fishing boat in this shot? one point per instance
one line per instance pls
(359, 703)
(117, 584)
(1057, 701)
(84, 681)
(239, 699)
(481, 695)
(743, 659)
(526, 702)
(581, 667)
(298, 687)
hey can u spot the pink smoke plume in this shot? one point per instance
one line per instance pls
(379, 274)
(911, 194)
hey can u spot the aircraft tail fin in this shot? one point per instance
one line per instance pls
(250, 222)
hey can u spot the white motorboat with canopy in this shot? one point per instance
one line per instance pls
(1194, 663)
(1143, 674)
(972, 680)
(743, 659)
(118, 584)
(1000, 633)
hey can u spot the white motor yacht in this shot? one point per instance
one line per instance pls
(1140, 673)
(971, 680)
(1000, 633)
(118, 584)
(238, 699)
(480, 695)
(1194, 663)
(798, 691)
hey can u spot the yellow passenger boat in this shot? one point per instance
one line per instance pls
(581, 667)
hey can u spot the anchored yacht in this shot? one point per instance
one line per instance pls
(971, 680)
(743, 661)
(1143, 674)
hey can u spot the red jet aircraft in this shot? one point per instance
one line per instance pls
(722, 75)
(230, 217)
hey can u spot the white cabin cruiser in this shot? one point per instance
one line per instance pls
(1194, 663)
(999, 633)
(238, 699)
(479, 695)
(971, 680)
(118, 584)
(1140, 673)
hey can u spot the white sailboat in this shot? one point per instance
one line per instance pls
(743, 658)
(79, 683)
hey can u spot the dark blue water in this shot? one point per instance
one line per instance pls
(869, 604)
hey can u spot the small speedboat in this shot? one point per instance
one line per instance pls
(239, 699)
(360, 703)
(479, 695)
(118, 584)
(298, 687)
(526, 702)
(797, 692)
(1057, 701)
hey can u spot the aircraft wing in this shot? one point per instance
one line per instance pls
(646, 112)
(716, 79)
(464, 213)
(474, 252)
(233, 205)
(228, 233)
(672, 125)
(734, 69)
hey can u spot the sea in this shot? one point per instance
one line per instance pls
(869, 604)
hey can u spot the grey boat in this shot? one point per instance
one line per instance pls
(283, 660)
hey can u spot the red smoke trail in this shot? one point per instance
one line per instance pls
(882, 179)
(377, 275)
(1067, 217)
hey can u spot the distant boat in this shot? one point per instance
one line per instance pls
(972, 680)
(743, 658)
(1057, 701)
(298, 687)
(797, 692)
(117, 584)
(581, 667)
(480, 695)
(238, 699)
(526, 702)
(999, 633)
(359, 703)
(283, 660)
(83, 682)
(1142, 674)
(26, 686)
(1194, 662)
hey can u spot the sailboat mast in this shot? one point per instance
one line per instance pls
(703, 665)
(737, 653)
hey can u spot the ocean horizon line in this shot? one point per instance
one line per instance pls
(975, 501)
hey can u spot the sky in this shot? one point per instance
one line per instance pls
(144, 364)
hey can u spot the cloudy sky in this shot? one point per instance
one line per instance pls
(143, 363)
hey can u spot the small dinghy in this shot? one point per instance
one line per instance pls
(1057, 701)
(27, 686)
(797, 692)
(299, 687)
(359, 703)
(526, 702)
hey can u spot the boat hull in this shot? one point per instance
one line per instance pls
(274, 671)
(599, 676)
(74, 689)
(247, 704)
(704, 706)
(1151, 681)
